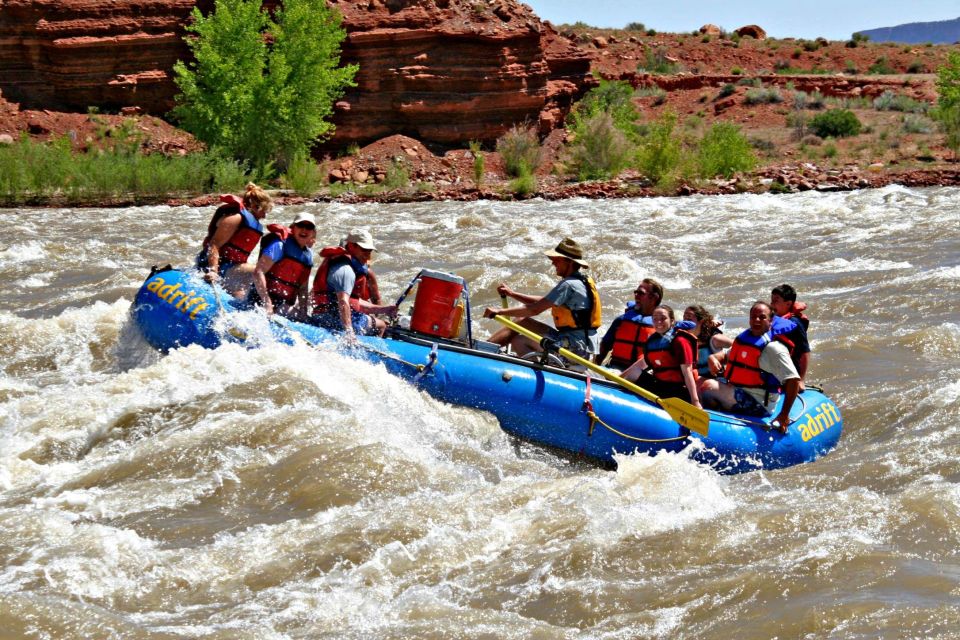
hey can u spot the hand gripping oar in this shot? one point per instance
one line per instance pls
(682, 412)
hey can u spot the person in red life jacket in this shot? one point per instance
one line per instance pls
(783, 301)
(670, 354)
(758, 368)
(233, 233)
(342, 290)
(283, 269)
(710, 339)
(573, 302)
(626, 336)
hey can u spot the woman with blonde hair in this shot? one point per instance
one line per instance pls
(233, 233)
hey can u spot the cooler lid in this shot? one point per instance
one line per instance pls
(442, 275)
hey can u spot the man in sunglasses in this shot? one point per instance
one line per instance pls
(283, 269)
(628, 333)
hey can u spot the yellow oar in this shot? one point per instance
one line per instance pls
(682, 412)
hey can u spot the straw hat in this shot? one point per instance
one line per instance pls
(568, 249)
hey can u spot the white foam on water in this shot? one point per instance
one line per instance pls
(30, 251)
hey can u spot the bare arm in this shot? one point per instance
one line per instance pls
(687, 371)
(633, 371)
(802, 363)
(343, 306)
(264, 264)
(227, 226)
(504, 290)
(365, 306)
(791, 388)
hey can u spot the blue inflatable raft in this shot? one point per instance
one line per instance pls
(547, 405)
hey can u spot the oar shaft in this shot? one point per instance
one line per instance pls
(569, 355)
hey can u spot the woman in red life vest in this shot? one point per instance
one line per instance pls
(670, 355)
(283, 269)
(233, 233)
(709, 337)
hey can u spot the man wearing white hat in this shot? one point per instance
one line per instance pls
(342, 290)
(282, 273)
(573, 302)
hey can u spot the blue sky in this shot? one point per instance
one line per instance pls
(832, 19)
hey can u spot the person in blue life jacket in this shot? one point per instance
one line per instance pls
(757, 368)
(345, 295)
(282, 273)
(783, 301)
(628, 332)
(710, 339)
(574, 304)
(232, 234)
(666, 367)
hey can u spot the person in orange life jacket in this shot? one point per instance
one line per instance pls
(627, 333)
(758, 366)
(283, 269)
(573, 302)
(670, 353)
(709, 337)
(233, 233)
(783, 301)
(342, 291)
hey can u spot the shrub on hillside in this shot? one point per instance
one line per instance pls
(835, 123)
(303, 175)
(890, 101)
(519, 147)
(657, 63)
(659, 153)
(724, 151)
(768, 95)
(881, 67)
(614, 98)
(600, 150)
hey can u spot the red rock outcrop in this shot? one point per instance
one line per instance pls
(752, 31)
(446, 71)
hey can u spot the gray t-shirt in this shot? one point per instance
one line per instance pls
(341, 278)
(572, 294)
(774, 359)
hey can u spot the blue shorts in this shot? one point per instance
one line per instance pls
(362, 323)
(747, 405)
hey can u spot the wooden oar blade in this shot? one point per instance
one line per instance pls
(687, 415)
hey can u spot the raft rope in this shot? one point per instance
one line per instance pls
(595, 419)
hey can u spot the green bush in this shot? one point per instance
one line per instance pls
(600, 150)
(35, 172)
(835, 123)
(768, 95)
(519, 147)
(479, 163)
(398, 175)
(658, 64)
(947, 112)
(659, 153)
(614, 98)
(303, 175)
(259, 87)
(881, 67)
(525, 184)
(890, 101)
(635, 26)
(727, 90)
(724, 151)
(916, 124)
(917, 67)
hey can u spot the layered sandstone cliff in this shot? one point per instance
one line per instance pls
(446, 71)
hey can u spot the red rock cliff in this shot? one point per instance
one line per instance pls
(446, 71)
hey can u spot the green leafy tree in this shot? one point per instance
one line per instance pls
(835, 123)
(262, 88)
(725, 151)
(947, 111)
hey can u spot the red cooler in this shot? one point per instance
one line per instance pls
(434, 308)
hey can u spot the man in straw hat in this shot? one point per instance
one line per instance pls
(573, 302)
(342, 290)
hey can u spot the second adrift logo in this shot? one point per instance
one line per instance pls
(171, 293)
(825, 416)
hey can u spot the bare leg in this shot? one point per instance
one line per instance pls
(714, 394)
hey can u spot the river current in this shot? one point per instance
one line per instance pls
(291, 492)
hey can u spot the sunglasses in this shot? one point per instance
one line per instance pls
(640, 292)
(309, 226)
